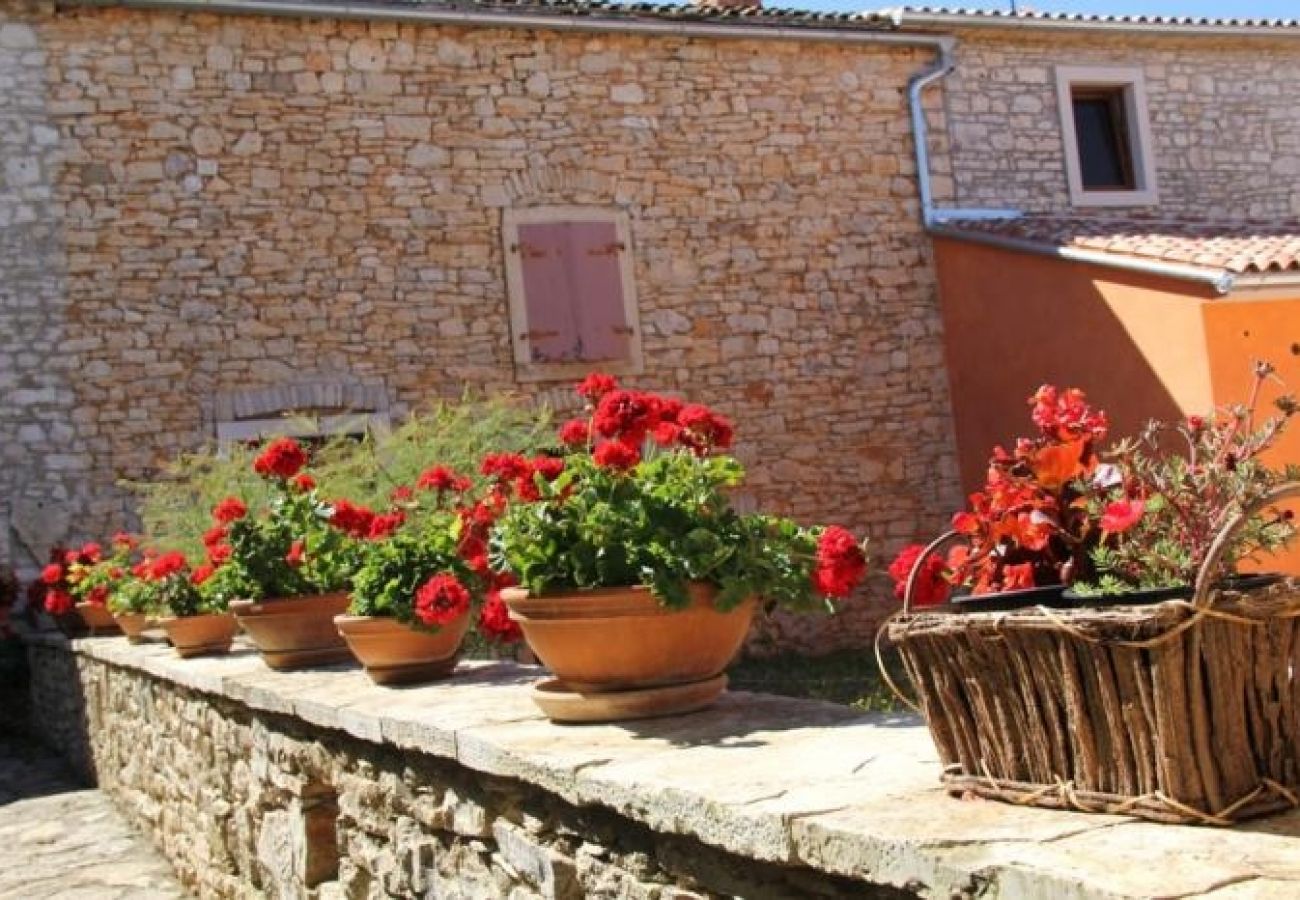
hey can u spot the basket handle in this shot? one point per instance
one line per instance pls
(930, 549)
(1204, 578)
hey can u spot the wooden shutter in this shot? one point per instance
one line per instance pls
(573, 291)
(544, 261)
(597, 291)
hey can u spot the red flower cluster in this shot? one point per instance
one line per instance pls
(202, 573)
(494, 621)
(596, 385)
(352, 519)
(1026, 525)
(229, 510)
(575, 433)
(932, 586)
(1066, 416)
(385, 525)
(441, 600)
(442, 479)
(303, 483)
(1121, 515)
(283, 459)
(167, 565)
(841, 563)
(295, 556)
(616, 455)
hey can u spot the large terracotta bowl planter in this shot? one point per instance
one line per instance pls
(97, 619)
(393, 653)
(200, 635)
(619, 639)
(295, 632)
(133, 625)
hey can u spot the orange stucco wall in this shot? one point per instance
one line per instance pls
(1014, 321)
(1239, 332)
(1141, 346)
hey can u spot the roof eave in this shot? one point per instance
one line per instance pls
(955, 21)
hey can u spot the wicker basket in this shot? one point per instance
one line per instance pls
(1181, 711)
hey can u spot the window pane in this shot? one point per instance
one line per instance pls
(1105, 160)
(548, 292)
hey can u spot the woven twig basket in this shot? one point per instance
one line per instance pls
(1180, 711)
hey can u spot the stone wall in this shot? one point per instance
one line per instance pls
(250, 203)
(248, 803)
(43, 456)
(1223, 119)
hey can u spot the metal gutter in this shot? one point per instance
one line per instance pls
(587, 22)
(1284, 29)
(1220, 281)
(916, 85)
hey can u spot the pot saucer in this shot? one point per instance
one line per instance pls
(562, 703)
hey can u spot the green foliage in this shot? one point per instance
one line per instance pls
(391, 571)
(175, 509)
(1189, 492)
(664, 524)
(453, 434)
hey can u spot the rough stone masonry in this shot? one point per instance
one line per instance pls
(223, 204)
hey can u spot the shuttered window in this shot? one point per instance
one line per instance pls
(569, 272)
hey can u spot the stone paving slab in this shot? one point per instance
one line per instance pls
(60, 842)
(767, 777)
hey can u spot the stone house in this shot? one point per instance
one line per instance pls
(212, 215)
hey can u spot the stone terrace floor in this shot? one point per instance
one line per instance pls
(59, 840)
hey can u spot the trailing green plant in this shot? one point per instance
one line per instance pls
(1167, 505)
(453, 434)
(643, 498)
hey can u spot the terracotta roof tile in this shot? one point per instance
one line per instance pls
(1236, 247)
(970, 15)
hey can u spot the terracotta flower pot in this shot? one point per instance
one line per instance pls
(617, 639)
(133, 625)
(97, 619)
(296, 632)
(394, 653)
(199, 635)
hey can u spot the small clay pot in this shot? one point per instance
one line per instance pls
(133, 625)
(616, 639)
(393, 653)
(97, 619)
(211, 633)
(295, 632)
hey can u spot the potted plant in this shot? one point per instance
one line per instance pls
(94, 578)
(69, 590)
(286, 570)
(638, 581)
(1178, 487)
(1029, 532)
(1165, 708)
(422, 572)
(194, 604)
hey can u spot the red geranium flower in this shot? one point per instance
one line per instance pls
(168, 564)
(352, 519)
(125, 541)
(575, 433)
(282, 459)
(52, 574)
(441, 600)
(494, 621)
(295, 554)
(219, 554)
(627, 415)
(91, 553)
(931, 586)
(1121, 515)
(841, 564)
(616, 455)
(401, 494)
(229, 510)
(597, 385)
(215, 535)
(303, 483)
(58, 602)
(505, 467)
(202, 573)
(383, 526)
(441, 478)
(703, 429)
(98, 595)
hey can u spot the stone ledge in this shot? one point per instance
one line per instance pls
(769, 778)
